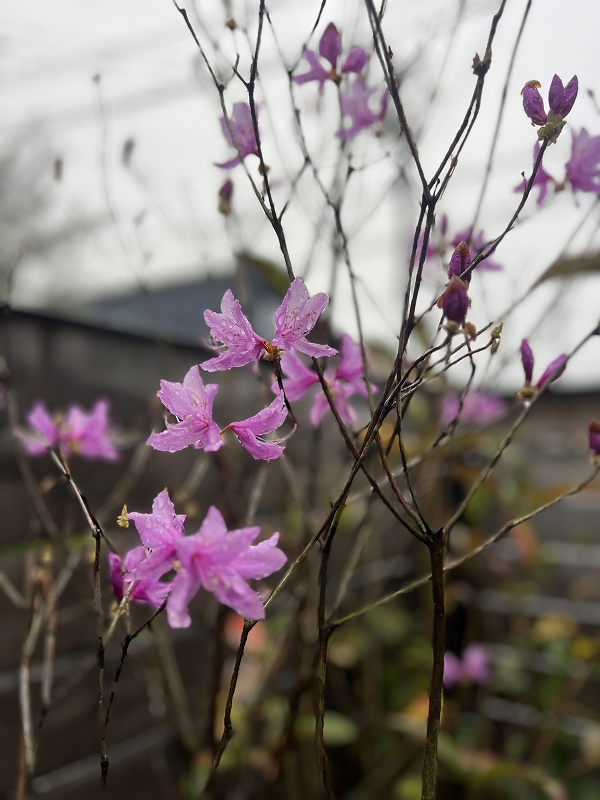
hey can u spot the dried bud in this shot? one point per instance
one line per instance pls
(533, 103)
(122, 520)
(470, 330)
(497, 331)
(225, 193)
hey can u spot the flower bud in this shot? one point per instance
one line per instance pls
(455, 300)
(533, 103)
(527, 360)
(594, 437)
(561, 98)
(460, 261)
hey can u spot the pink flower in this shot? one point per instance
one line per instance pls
(542, 179)
(594, 437)
(45, 431)
(146, 590)
(344, 382)
(474, 666)
(557, 366)
(233, 330)
(296, 317)
(78, 432)
(478, 242)
(243, 135)
(330, 48)
(221, 561)
(191, 403)
(354, 103)
(478, 407)
(261, 424)
(88, 434)
(160, 532)
(583, 168)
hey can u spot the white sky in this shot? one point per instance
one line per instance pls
(154, 90)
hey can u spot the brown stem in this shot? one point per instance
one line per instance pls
(436, 555)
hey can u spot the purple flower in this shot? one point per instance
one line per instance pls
(557, 366)
(583, 168)
(561, 98)
(233, 330)
(533, 103)
(542, 179)
(354, 103)
(460, 261)
(191, 403)
(160, 532)
(344, 382)
(479, 408)
(594, 437)
(266, 421)
(88, 434)
(296, 317)
(330, 48)
(221, 562)
(477, 240)
(243, 135)
(455, 300)
(146, 590)
(45, 431)
(78, 432)
(473, 667)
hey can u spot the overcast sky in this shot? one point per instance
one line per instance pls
(164, 224)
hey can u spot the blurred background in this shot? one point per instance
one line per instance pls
(112, 244)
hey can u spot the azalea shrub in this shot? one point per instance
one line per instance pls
(340, 663)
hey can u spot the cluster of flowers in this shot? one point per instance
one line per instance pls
(191, 402)
(344, 381)
(355, 99)
(474, 666)
(552, 372)
(218, 560)
(76, 432)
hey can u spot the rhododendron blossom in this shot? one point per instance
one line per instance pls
(78, 432)
(344, 381)
(243, 135)
(218, 560)
(594, 437)
(479, 408)
(354, 103)
(295, 318)
(560, 98)
(473, 667)
(266, 421)
(145, 590)
(330, 48)
(583, 168)
(191, 403)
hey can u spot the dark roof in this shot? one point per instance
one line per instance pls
(175, 313)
